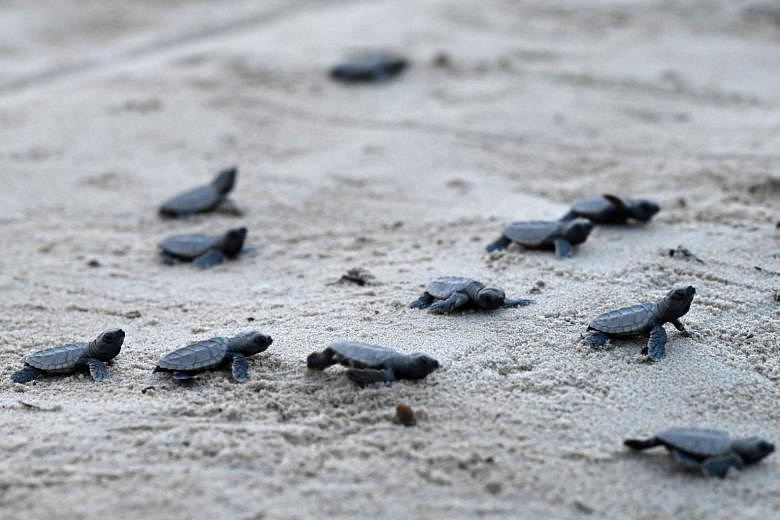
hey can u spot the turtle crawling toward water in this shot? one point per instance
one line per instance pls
(645, 318)
(66, 359)
(371, 363)
(712, 452)
(611, 209)
(542, 234)
(204, 198)
(373, 67)
(214, 353)
(202, 250)
(448, 293)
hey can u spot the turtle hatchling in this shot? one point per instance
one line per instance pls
(202, 250)
(214, 353)
(448, 293)
(611, 209)
(645, 318)
(73, 357)
(204, 198)
(371, 67)
(712, 452)
(541, 234)
(371, 363)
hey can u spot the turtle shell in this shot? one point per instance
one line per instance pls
(362, 354)
(604, 208)
(533, 233)
(202, 198)
(189, 246)
(697, 442)
(444, 286)
(201, 355)
(628, 320)
(60, 358)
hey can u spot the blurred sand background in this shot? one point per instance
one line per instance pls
(108, 107)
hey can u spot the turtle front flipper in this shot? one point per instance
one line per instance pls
(26, 375)
(719, 466)
(656, 345)
(230, 208)
(321, 360)
(208, 259)
(97, 369)
(167, 258)
(563, 248)
(367, 376)
(519, 302)
(423, 302)
(498, 245)
(679, 326)
(240, 368)
(455, 301)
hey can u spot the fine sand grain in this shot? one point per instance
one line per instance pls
(109, 107)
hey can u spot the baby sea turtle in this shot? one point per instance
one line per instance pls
(611, 209)
(371, 363)
(541, 234)
(66, 359)
(455, 292)
(202, 250)
(204, 198)
(214, 353)
(645, 318)
(372, 67)
(711, 451)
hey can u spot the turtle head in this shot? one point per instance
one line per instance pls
(225, 180)
(233, 242)
(577, 230)
(643, 209)
(678, 301)
(106, 347)
(490, 298)
(752, 449)
(251, 343)
(416, 366)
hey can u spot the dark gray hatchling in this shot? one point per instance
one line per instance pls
(644, 319)
(203, 250)
(611, 209)
(542, 234)
(372, 67)
(204, 198)
(213, 354)
(712, 452)
(448, 293)
(372, 363)
(73, 357)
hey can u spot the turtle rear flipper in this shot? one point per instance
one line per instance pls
(642, 444)
(597, 339)
(450, 304)
(719, 466)
(97, 369)
(686, 460)
(656, 345)
(498, 245)
(563, 248)
(180, 375)
(571, 215)
(209, 259)
(230, 208)
(240, 368)
(26, 375)
(423, 302)
(367, 376)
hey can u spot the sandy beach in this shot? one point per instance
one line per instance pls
(107, 108)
